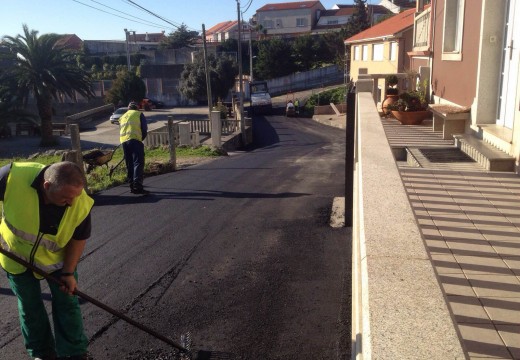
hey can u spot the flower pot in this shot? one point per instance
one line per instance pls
(390, 99)
(411, 117)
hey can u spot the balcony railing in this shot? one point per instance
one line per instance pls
(422, 29)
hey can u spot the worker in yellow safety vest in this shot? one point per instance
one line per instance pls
(132, 131)
(46, 221)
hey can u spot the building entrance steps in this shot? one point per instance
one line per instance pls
(469, 220)
(485, 154)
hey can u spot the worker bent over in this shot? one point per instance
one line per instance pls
(46, 221)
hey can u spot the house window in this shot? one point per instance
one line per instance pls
(377, 52)
(300, 22)
(364, 53)
(268, 24)
(453, 28)
(356, 52)
(332, 22)
(393, 51)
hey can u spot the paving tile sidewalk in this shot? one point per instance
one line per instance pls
(470, 222)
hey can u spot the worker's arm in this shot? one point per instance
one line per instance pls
(73, 252)
(144, 126)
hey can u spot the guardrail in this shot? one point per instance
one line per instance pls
(159, 136)
(87, 116)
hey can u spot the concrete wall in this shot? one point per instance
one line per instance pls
(305, 80)
(399, 310)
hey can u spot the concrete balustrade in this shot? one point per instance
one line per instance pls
(399, 309)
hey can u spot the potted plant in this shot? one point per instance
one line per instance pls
(412, 106)
(391, 92)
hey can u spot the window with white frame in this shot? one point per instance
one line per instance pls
(268, 24)
(377, 52)
(364, 53)
(393, 51)
(453, 28)
(300, 22)
(356, 52)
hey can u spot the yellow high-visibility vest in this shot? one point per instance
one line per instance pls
(20, 227)
(130, 126)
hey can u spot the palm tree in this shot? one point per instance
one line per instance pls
(42, 68)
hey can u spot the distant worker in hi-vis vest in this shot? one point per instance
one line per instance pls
(132, 131)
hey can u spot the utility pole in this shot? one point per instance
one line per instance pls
(250, 53)
(240, 85)
(127, 50)
(208, 78)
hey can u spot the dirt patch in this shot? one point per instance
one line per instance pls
(158, 168)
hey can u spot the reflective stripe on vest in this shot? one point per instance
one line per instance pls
(130, 126)
(19, 228)
(49, 245)
(48, 269)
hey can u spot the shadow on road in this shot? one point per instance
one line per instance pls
(102, 199)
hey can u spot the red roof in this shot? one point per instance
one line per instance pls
(229, 26)
(289, 6)
(71, 41)
(389, 27)
(217, 28)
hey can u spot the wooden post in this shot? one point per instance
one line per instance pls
(76, 144)
(171, 143)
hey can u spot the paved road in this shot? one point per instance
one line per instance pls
(238, 251)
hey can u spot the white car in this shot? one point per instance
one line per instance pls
(114, 118)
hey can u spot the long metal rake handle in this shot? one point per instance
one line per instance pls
(96, 302)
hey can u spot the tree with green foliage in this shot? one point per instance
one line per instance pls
(182, 37)
(127, 87)
(222, 70)
(305, 50)
(359, 20)
(42, 68)
(274, 59)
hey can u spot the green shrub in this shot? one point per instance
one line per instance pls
(336, 96)
(222, 109)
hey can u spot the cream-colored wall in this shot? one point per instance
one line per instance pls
(374, 67)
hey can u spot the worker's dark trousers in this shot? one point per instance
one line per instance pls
(134, 160)
(69, 338)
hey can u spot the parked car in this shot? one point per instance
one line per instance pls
(146, 105)
(114, 118)
(155, 103)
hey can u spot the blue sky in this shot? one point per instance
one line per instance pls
(81, 18)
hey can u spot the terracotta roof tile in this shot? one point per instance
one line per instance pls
(217, 27)
(228, 26)
(289, 6)
(389, 27)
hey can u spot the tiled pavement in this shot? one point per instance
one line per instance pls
(470, 222)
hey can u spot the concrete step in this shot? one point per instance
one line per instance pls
(490, 157)
(441, 158)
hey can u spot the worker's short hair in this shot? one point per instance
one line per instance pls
(64, 173)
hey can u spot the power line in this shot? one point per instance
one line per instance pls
(152, 13)
(247, 6)
(122, 17)
(122, 12)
